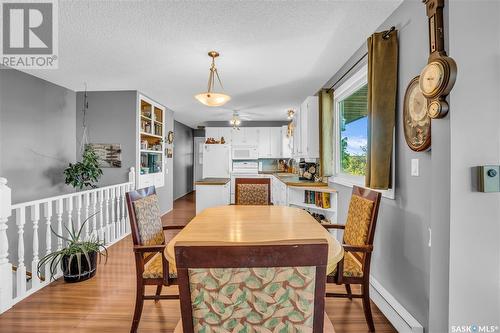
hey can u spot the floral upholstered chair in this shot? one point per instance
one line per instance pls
(252, 288)
(252, 191)
(359, 231)
(149, 244)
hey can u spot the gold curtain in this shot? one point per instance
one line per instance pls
(382, 88)
(326, 132)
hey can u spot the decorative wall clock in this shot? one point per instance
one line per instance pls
(170, 137)
(438, 77)
(416, 121)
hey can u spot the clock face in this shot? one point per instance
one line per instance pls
(431, 78)
(417, 104)
(416, 121)
(434, 109)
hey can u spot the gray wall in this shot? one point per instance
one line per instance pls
(475, 140)
(183, 159)
(111, 118)
(37, 135)
(401, 258)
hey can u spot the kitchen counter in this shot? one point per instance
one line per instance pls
(213, 181)
(291, 179)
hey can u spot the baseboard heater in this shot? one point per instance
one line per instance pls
(399, 317)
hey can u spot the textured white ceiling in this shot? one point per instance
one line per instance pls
(273, 53)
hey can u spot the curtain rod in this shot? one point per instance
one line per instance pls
(386, 35)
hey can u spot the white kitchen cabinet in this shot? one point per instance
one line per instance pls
(211, 196)
(306, 135)
(252, 136)
(218, 132)
(239, 137)
(275, 142)
(264, 140)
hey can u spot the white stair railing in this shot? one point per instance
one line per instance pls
(104, 207)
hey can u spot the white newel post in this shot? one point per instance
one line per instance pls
(5, 265)
(131, 178)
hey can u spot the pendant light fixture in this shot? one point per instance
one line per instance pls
(211, 98)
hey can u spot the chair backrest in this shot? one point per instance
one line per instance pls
(259, 285)
(144, 216)
(361, 217)
(252, 191)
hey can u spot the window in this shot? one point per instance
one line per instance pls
(351, 131)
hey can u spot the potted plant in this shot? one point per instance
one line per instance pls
(78, 259)
(85, 173)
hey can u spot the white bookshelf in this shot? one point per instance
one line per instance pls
(151, 143)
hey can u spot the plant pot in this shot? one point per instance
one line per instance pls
(73, 274)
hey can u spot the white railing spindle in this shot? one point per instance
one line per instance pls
(35, 217)
(59, 213)
(5, 265)
(112, 227)
(123, 210)
(101, 221)
(21, 268)
(86, 205)
(94, 200)
(106, 215)
(78, 200)
(69, 212)
(47, 214)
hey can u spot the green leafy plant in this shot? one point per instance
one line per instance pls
(75, 249)
(85, 173)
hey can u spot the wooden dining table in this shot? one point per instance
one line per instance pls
(236, 225)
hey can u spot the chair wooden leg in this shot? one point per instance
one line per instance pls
(348, 290)
(158, 293)
(139, 301)
(367, 307)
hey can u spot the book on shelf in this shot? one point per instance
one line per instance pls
(319, 199)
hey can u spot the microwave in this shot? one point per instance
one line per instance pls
(245, 153)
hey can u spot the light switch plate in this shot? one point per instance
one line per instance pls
(488, 178)
(414, 167)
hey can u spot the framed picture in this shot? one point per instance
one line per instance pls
(169, 153)
(110, 154)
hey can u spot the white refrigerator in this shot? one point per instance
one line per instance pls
(216, 161)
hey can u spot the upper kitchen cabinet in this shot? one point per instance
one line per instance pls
(269, 142)
(306, 133)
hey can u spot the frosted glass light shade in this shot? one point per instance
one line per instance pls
(213, 99)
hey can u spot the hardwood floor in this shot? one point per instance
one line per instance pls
(105, 303)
